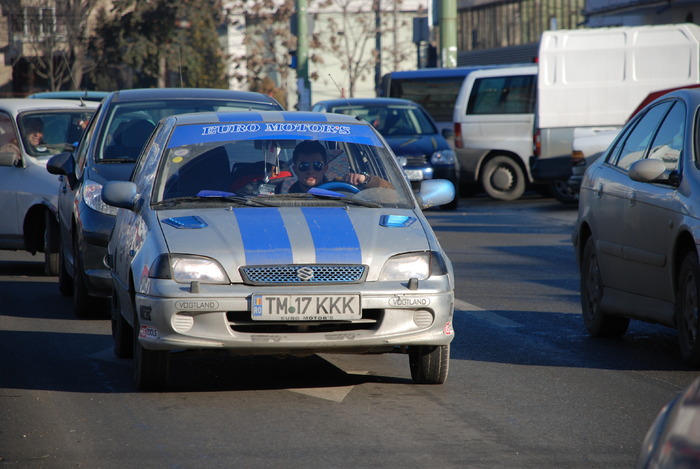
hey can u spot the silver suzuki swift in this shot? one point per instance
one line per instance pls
(280, 233)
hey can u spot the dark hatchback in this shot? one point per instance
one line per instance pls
(411, 133)
(106, 152)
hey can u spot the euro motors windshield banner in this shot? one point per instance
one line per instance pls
(227, 131)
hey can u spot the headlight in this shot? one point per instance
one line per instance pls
(184, 268)
(92, 195)
(443, 157)
(420, 265)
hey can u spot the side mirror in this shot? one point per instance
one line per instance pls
(61, 164)
(648, 170)
(434, 192)
(121, 194)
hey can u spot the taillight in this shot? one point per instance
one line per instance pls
(458, 135)
(577, 158)
(536, 144)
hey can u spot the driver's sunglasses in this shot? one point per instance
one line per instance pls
(303, 167)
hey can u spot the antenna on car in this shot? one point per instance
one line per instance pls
(72, 79)
(342, 95)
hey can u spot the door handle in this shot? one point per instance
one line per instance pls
(598, 190)
(63, 189)
(632, 199)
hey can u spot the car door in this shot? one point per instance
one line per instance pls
(653, 214)
(9, 177)
(611, 198)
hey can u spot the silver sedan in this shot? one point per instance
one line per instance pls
(276, 233)
(638, 231)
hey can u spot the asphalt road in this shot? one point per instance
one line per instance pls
(527, 387)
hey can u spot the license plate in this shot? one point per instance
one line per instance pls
(414, 174)
(305, 307)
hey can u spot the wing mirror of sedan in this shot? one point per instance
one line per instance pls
(434, 192)
(648, 170)
(120, 194)
(63, 165)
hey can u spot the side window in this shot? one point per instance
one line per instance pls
(9, 145)
(502, 95)
(632, 147)
(81, 152)
(668, 143)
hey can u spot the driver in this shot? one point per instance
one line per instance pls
(310, 166)
(34, 132)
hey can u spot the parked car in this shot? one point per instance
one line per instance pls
(589, 143)
(108, 151)
(673, 440)
(411, 133)
(638, 225)
(212, 249)
(96, 96)
(30, 132)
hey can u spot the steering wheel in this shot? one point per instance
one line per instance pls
(339, 186)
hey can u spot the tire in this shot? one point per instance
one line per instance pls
(561, 191)
(429, 363)
(503, 178)
(122, 332)
(65, 281)
(151, 367)
(50, 244)
(597, 322)
(85, 305)
(687, 313)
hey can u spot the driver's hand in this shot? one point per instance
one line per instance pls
(355, 179)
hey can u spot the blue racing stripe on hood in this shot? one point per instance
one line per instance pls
(333, 235)
(265, 238)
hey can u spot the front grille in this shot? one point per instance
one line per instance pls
(416, 160)
(302, 274)
(240, 321)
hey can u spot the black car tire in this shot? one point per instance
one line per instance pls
(503, 178)
(597, 322)
(122, 332)
(560, 190)
(687, 309)
(51, 265)
(65, 281)
(151, 367)
(429, 363)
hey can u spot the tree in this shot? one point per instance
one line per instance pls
(55, 38)
(159, 43)
(349, 33)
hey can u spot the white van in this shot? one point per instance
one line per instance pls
(493, 123)
(590, 78)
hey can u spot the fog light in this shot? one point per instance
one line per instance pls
(182, 322)
(423, 318)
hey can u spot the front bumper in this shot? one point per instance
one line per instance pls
(390, 320)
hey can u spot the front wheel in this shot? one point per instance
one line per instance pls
(503, 178)
(687, 314)
(51, 262)
(65, 282)
(597, 322)
(429, 363)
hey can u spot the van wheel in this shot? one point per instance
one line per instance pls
(503, 178)
(429, 363)
(559, 188)
(688, 309)
(597, 322)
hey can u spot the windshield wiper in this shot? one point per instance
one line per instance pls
(330, 197)
(232, 199)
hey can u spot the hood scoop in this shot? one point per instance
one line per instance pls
(192, 222)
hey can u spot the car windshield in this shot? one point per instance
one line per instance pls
(392, 120)
(130, 124)
(274, 164)
(46, 133)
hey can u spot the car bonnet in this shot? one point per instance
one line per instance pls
(294, 235)
(416, 144)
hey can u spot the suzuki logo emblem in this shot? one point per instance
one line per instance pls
(305, 273)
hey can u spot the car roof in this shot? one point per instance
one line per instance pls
(16, 105)
(148, 94)
(366, 102)
(289, 117)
